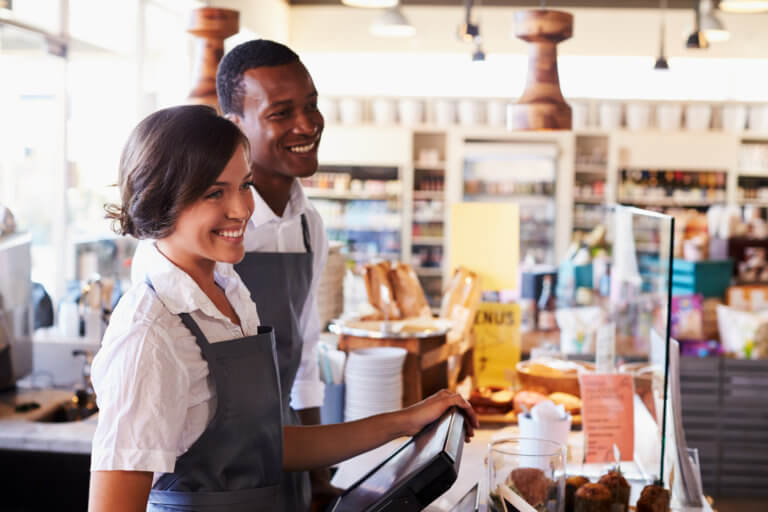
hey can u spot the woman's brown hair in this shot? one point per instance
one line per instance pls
(171, 158)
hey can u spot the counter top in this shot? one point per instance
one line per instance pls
(21, 431)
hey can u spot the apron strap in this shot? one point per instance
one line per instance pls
(188, 322)
(305, 232)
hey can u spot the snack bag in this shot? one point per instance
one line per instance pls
(408, 292)
(460, 302)
(380, 292)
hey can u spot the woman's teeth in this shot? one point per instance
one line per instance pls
(231, 234)
(302, 149)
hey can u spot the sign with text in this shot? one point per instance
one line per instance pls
(497, 343)
(485, 237)
(608, 416)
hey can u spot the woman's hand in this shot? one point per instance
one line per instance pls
(428, 410)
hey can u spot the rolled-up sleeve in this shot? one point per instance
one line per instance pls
(308, 390)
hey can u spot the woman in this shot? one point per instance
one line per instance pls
(186, 379)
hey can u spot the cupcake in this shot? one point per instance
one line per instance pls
(654, 498)
(572, 484)
(592, 498)
(619, 490)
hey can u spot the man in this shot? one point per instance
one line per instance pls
(265, 89)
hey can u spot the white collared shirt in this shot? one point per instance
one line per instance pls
(152, 384)
(268, 232)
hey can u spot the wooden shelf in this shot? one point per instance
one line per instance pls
(371, 229)
(428, 271)
(671, 202)
(589, 200)
(753, 173)
(590, 168)
(320, 193)
(423, 219)
(427, 240)
(439, 166)
(429, 194)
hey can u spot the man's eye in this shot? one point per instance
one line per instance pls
(214, 195)
(312, 106)
(279, 113)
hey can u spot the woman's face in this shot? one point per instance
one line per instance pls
(211, 229)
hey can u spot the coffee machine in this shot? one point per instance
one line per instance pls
(16, 325)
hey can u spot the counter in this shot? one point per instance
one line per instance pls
(21, 431)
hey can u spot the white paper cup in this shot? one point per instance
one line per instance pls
(496, 113)
(638, 116)
(351, 111)
(579, 115)
(469, 113)
(758, 118)
(734, 118)
(383, 111)
(445, 112)
(329, 107)
(610, 116)
(411, 111)
(668, 116)
(548, 430)
(698, 117)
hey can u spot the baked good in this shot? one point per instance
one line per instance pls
(527, 399)
(572, 484)
(530, 483)
(571, 403)
(653, 498)
(491, 400)
(619, 489)
(592, 498)
(380, 293)
(408, 292)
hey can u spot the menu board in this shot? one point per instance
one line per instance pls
(497, 344)
(608, 416)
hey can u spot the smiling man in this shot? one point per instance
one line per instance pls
(265, 89)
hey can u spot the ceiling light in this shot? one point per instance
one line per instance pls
(468, 31)
(478, 55)
(661, 61)
(375, 4)
(392, 23)
(744, 6)
(697, 39)
(710, 24)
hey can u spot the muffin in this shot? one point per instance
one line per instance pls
(572, 484)
(592, 498)
(619, 490)
(654, 498)
(530, 483)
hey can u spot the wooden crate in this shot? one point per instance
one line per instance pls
(425, 370)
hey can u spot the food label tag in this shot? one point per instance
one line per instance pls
(605, 349)
(608, 415)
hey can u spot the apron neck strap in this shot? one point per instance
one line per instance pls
(305, 232)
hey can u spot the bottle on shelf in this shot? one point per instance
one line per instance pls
(545, 316)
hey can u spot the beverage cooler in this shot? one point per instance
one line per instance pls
(520, 172)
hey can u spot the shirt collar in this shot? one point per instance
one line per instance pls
(180, 293)
(263, 214)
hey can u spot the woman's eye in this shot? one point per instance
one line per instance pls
(214, 195)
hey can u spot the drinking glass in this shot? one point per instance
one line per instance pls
(526, 469)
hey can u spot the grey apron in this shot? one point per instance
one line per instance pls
(279, 284)
(235, 465)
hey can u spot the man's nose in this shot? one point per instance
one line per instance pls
(308, 123)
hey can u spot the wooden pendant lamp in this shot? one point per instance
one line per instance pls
(211, 25)
(542, 106)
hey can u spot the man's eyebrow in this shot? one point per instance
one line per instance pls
(280, 103)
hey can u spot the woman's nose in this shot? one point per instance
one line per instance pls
(241, 206)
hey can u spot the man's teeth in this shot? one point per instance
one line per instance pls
(301, 149)
(231, 234)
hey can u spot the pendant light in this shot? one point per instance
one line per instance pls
(710, 24)
(211, 26)
(744, 6)
(697, 39)
(468, 31)
(541, 106)
(392, 23)
(661, 61)
(371, 4)
(478, 55)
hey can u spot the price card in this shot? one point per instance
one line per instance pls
(608, 415)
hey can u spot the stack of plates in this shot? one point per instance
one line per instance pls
(374, 382)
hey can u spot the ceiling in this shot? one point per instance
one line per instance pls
(614, 4)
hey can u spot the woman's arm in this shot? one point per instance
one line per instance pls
(119, 491)
(318, 446)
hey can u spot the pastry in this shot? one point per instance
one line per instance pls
(530, 483)
(571, 403)
(527, 399)
(592, 498)
(491, 400)
(619, 490)
(408, 292)
(654, 498)
(572, 484)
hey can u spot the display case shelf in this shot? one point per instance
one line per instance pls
(319, 193)
(427, 240)
(589, 200)
(429, 194)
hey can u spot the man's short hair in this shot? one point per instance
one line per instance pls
(245, 56)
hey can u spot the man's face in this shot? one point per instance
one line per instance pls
(281, 120)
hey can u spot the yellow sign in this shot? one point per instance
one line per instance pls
(497, 344)
(485, 238)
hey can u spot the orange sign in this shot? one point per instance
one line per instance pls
(608, 415)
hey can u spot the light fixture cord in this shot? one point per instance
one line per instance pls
(663, 5)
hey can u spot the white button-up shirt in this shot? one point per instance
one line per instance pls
(268, 232)
(153, 388)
